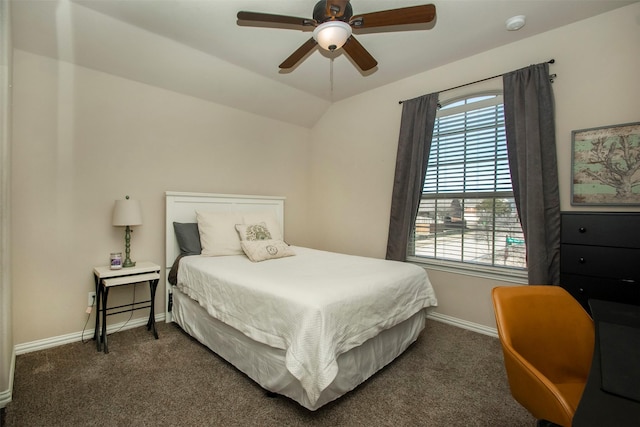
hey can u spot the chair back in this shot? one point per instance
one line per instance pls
(547, 340)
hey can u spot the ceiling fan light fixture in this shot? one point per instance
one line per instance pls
(332, 35)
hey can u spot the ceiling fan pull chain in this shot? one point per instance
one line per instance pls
(331, 77)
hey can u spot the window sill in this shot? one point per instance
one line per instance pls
(513, 276)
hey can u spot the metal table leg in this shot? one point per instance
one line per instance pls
(151, 323)
(105, 294)
(96, 331)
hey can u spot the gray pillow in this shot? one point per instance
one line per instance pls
(188, 237)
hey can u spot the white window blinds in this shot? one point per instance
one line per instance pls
(467, 212)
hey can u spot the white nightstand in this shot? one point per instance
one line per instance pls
(107, 278)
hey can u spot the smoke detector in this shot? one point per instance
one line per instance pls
(515, 22)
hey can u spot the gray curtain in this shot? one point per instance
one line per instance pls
(414, 142)
(531, 146)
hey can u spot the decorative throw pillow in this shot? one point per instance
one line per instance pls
(188, 238)
(257, 231)
(261, 250)
(218, 235)
(269, 218)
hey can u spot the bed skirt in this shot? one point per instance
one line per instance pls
(266, 365)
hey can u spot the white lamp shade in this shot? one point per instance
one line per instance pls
(127, 212)
(332, 35)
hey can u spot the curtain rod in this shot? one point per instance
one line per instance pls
(551, 76)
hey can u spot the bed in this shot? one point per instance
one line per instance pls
(307, 324)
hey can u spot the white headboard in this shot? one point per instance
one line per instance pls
(181, 207)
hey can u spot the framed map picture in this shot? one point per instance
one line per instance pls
(605, 165)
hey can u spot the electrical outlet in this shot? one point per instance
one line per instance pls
(91, 299)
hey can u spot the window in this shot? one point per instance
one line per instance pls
(467, 215)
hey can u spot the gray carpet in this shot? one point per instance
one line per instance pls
(449, 377)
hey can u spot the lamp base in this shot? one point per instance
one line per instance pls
(127, 247)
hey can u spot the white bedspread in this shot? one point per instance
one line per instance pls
(315, 305)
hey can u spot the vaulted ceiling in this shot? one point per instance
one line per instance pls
(196, 47)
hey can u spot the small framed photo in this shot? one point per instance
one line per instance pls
(605, 165)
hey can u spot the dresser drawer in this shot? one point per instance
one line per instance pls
(584, 288)
(619, 263)
(606, 229)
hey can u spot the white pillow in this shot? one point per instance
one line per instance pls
(269, 218)
(257, 231)
(261, 250)
(218, 235)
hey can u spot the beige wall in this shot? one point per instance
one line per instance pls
(83, 139)
(354, 144)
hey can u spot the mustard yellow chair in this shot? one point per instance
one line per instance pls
(547, 340)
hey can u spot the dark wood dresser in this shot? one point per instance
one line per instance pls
(600, 256)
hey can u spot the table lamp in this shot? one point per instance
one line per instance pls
(127, 213)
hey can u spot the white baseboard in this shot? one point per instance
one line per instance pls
(464, 324)
(6, 395)
(78, 336)
(88, 334)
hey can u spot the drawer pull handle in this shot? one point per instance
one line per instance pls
(582, 230)
(582, 260)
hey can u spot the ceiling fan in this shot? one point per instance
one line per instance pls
(334, 23)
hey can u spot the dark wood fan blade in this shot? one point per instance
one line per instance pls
(274, 19)
(406, 15)
(300, 53)
(336, 8)
(359, 54)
